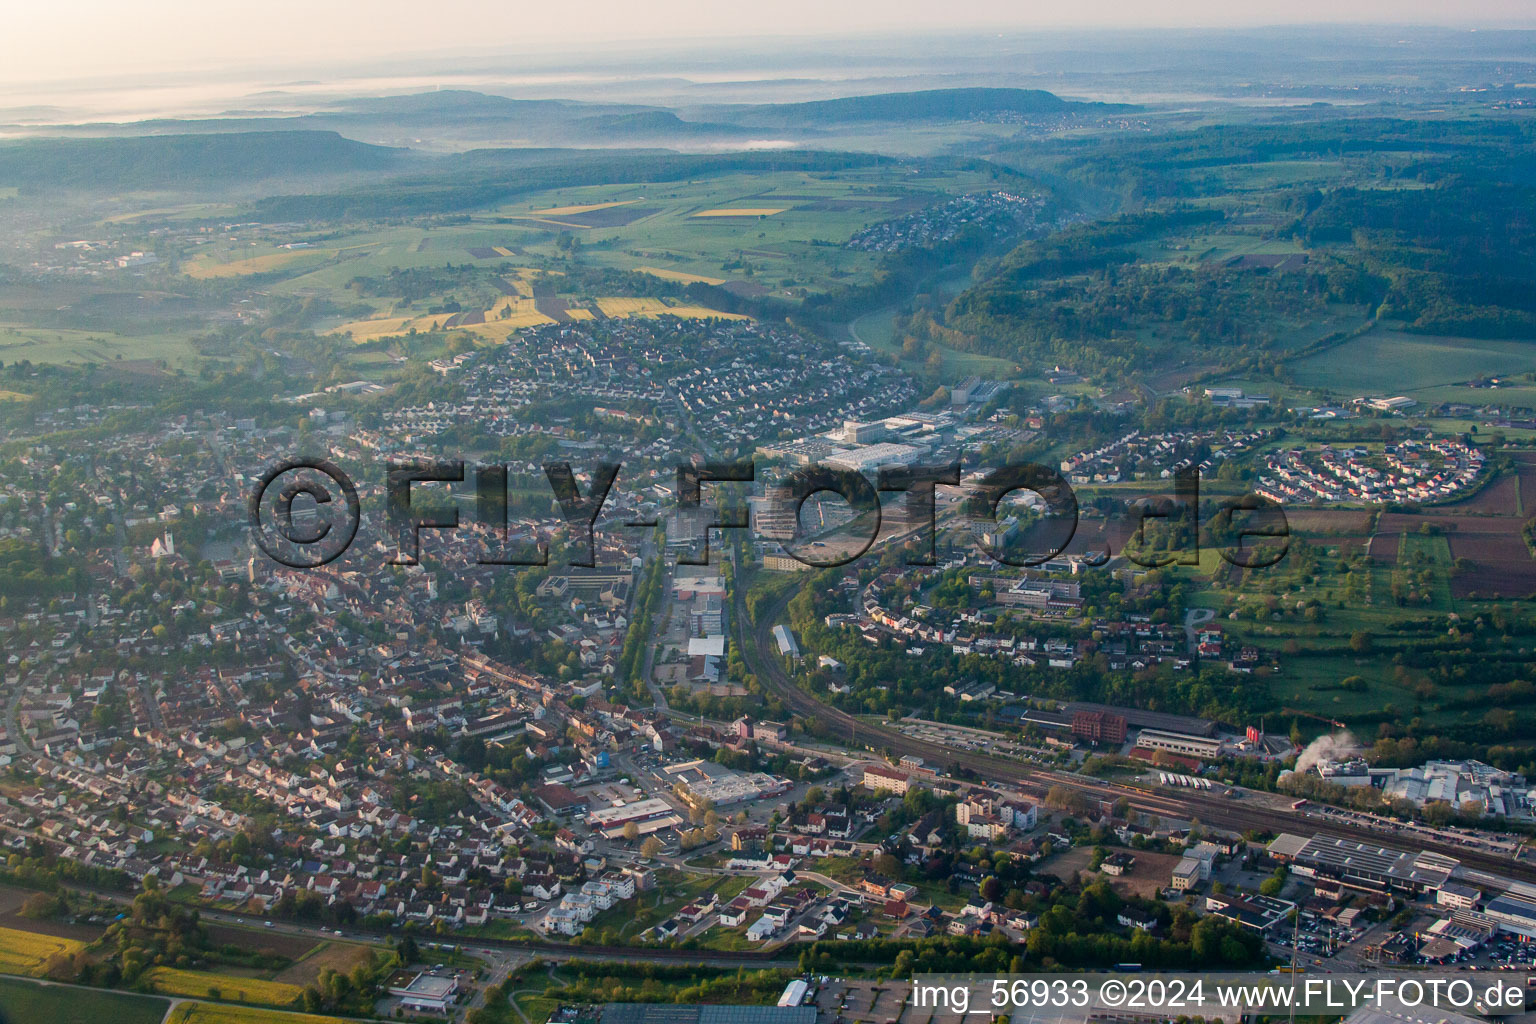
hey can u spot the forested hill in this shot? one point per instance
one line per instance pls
(165, 161)
(927, 105)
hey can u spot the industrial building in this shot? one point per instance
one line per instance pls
(1355, 865)
(1179, 743)
(671, 1013)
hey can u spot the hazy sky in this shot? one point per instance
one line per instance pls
(47, 41)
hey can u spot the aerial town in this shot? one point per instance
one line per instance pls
(780, 528)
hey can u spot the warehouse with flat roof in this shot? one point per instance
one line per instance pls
(1362, 866)
(669, 1013)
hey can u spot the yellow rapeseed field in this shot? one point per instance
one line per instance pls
(747, 211)
(172, 982)
(524, 313)
(629, 307)
(561, 211)
(24, 952)
(203, 268)
(696, 313)
(210, 1013)
(678, 275)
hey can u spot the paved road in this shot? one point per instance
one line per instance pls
(1193, 618)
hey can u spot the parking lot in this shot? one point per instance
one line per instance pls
(867, 1002)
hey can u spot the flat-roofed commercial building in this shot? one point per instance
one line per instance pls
(1180, 743)
(651, 815)
(1360, 866)
(429, 992)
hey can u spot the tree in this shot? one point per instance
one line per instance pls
(1063, 799)
(631, 831)
(1438, 812)
(651, 847)
(42, 905)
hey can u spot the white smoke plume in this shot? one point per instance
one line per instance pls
(1339, 746)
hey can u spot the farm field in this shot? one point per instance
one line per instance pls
(209, 1013)
(339, 956)
(512, 312)
(31, 1002)
(202, 268)
(62, 345)
(1386, 361)
(1431, 555)
(1517, 395)
(770, 222)
(24, 952)
(1483, 534)
(172, 982)
(744, 211)
(1501, 564)
(561, 211)
(1503, 496)
(678, 275)
(749, 232)
(1323, 522)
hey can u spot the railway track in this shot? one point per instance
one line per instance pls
(1210, 809)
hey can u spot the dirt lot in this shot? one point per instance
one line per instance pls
(1067, 864)
(1150, 873)
(291, 946)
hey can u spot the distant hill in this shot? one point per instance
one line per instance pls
(650, 124)
(927, 105)
(161, 161)
(462, 103)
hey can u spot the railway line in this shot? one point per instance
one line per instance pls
(758, 647)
